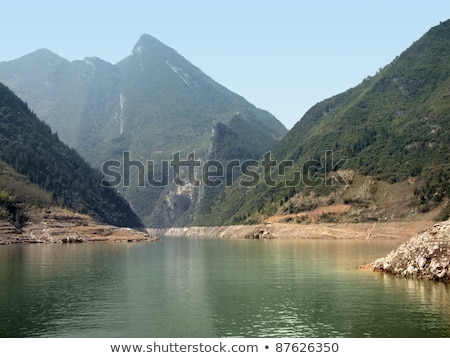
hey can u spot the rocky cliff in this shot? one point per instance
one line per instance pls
(426, 255)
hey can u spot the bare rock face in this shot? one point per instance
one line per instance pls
(259, 233)
(7, 230)
(426, 255)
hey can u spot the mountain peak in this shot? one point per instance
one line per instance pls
(149, 43)
(152, 103)
(44, 54)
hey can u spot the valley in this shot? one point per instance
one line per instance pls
(369, 163)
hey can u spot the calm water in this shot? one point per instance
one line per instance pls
(213, 288)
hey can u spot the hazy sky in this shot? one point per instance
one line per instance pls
(283, 56)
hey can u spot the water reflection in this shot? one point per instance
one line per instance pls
(166, 291)
(213, 288)
(312, 289)
(430, 298)
(43, 288)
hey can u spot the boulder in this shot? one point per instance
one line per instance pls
(259, 233)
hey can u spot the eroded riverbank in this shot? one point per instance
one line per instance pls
(369, 231)
(63, 226)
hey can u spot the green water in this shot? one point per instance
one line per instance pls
(214, 288)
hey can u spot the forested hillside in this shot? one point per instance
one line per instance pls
(64, 179)
(394, 127)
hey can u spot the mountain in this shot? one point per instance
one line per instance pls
(53, 173)
(385, 141)
(152, 105)
(71, 97)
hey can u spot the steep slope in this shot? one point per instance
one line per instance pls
(18, 195)
(152, 104)
(170, 105)
(28, 145)
(396, 119)
(29, 215)
(392, 127)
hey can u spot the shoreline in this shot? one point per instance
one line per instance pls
(424, 250)
(340, 231)
(65, 227)
(425, 255)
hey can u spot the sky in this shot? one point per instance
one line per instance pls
(283, 56)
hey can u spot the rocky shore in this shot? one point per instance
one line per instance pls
(67, 227)
(368, 231)
(426, 255)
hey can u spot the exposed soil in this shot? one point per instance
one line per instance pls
(368, 231)
(311, 215)
(63, 226)
(363, 199)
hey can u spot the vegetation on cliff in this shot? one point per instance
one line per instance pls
(60, 176)
(393, 127)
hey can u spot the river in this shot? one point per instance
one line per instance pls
(191, 287)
